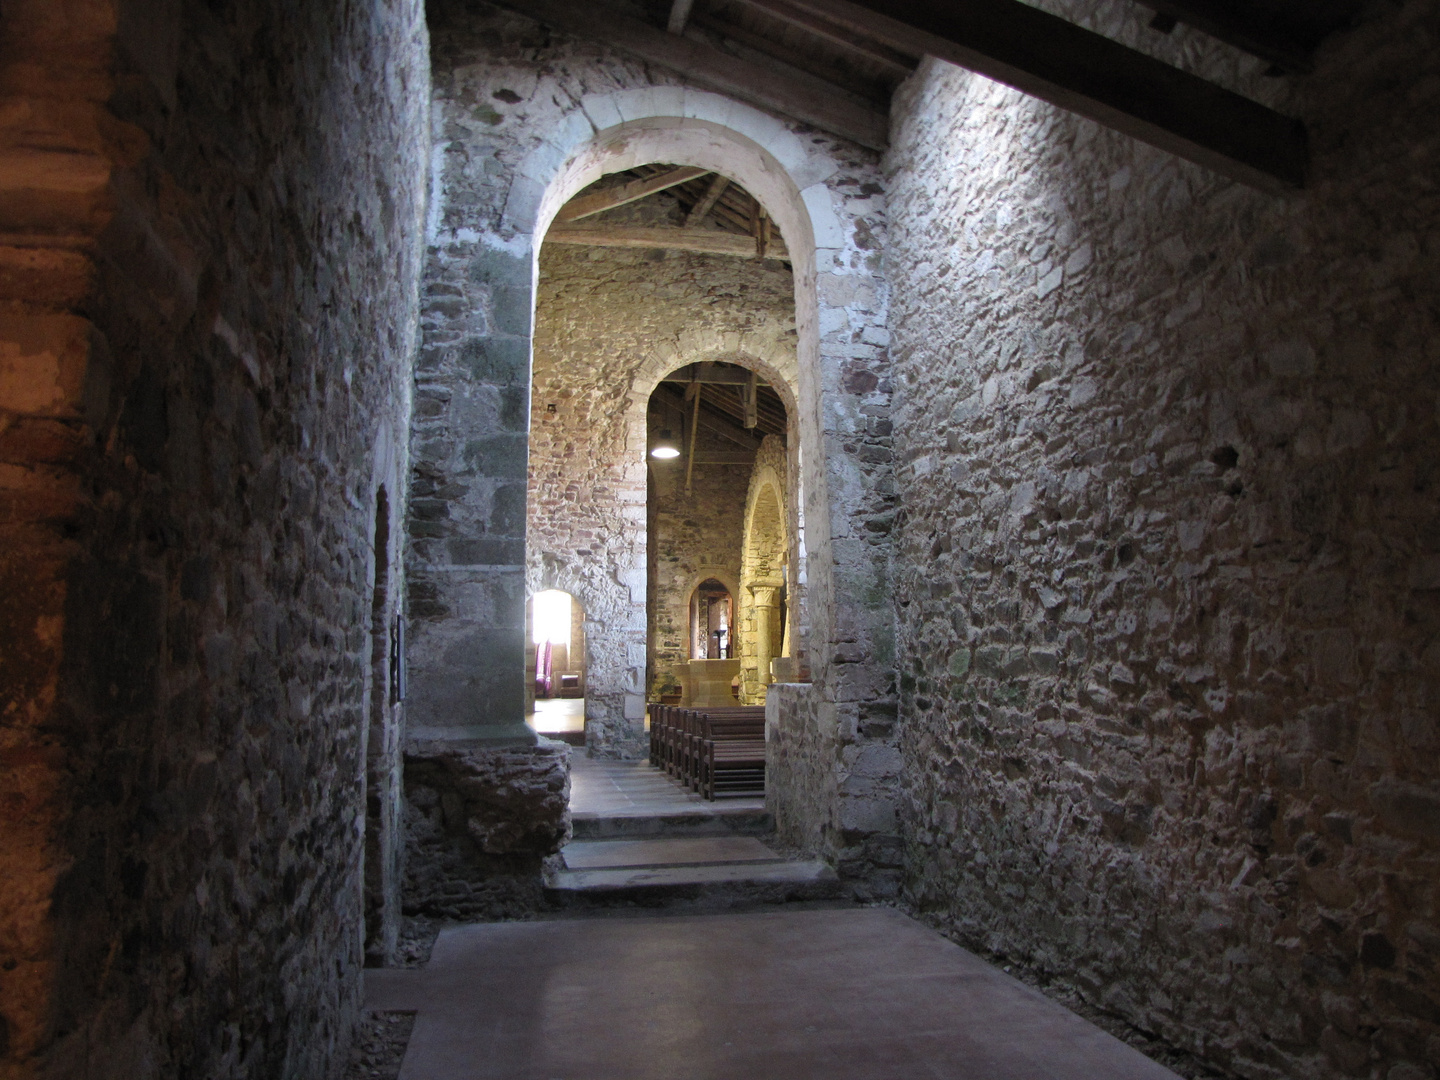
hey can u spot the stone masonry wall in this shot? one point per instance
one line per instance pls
(1169, 551)
(479, 825)
(210, 270)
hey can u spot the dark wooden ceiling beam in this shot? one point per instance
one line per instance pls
(725, 457)
(1236, 25)
(775, 49)
(1089, 74)
(772, 414)
(711, 418)
(710, 375)
(898, 64)
(807, 100)
(679, 16)
(701, 210)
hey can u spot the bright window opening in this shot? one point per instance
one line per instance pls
(551, 620)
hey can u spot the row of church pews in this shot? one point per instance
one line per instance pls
(713, 750)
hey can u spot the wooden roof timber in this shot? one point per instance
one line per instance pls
(1037, 53)
(679, 16)
(896, 63)
(714, 374)
(1242, 29)
(714, 189)
(872, 92)
(597, 202)
(1057, 61)
(808, 99)
(771, 410)
(673, 238)
(719, 420)
(732, 206)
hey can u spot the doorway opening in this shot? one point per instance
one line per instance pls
(712, 615)
(557, 663)
(664, 359)
(712, 424)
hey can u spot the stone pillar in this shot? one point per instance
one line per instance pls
(766, 597)
(467, 507)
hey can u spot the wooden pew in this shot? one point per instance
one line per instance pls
(730, 754)
(695, 734)
(712, 751)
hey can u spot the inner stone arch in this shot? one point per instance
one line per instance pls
(766, 573)
(695, 515)
(621, 332)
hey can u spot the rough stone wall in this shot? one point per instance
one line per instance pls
(199, 368)
(600, 316)
(52, 214)
(1168, 557)
(479, 826)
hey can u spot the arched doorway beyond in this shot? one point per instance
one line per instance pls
(555, 665)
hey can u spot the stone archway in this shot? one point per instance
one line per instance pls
(486, 231)
(668, 596)
(617, 132)
(615, 707)
(765, 573)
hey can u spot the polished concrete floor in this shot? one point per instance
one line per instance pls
(841, 994)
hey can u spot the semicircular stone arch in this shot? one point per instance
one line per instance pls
(748, 148)
(485, 229)
(713, 573)
(768, 565)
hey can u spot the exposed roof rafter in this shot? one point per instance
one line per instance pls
(704, 241)
(609, 198)
(679, 15)
(1241, 29)
(821, 61)
(791, 94)
(1087, 73)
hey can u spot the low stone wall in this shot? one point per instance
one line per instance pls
(479, 823)
(799, 770)
(832, 797)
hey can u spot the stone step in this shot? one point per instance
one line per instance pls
(700, 820)
(716, 872)
(666, 852)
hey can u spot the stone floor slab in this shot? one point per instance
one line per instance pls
(682, 851)
(663, 877)
(852, 994)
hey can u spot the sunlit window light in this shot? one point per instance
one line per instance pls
(551, 618)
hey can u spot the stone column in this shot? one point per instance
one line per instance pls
(766, 596)
(466, 565)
